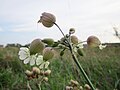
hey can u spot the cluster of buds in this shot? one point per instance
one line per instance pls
(74, 85)
(71, 42)
(38, 46)
(36, 73)
(33, 73)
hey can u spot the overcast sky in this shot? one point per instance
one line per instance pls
(18, 19)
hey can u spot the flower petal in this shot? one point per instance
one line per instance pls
(27, 60)
(32, 60)
(39, 60)
(42, 65)
(46, 64)
(102, 46)
(24, 49)
(23, 53)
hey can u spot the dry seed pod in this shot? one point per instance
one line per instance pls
(47, 19)
(74, 39)
(36, 46)
(48, 41)
(93, 41)
(48, 53)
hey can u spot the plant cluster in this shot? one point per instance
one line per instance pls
(40, 52)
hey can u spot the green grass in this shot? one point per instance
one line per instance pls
(102, 67)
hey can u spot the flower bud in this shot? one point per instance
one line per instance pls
(74, 39)
(81, 88)
(36, 70)
(47, 19)
(48, 41)
(28, 73)
(47, 72)
(48, 53)
(87, 87)
(62, 53)
(93, 41)
(36, 46)
(45, 79)
(80, 51)
(55, 44)
(71, 31)
(42, 72)
(74, 83)
(69, 88)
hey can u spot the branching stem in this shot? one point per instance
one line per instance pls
(76, 60)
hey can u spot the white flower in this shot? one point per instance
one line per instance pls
(24, 54)
(39, 60)
(102, 46)
(44, 65)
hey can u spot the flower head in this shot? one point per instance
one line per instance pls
(24, 54)
(47, 19)
(48, 41)
(93, 41)
(36, 46)
(44, 64)
(48, 53)
(74, 39)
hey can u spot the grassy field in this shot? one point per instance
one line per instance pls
(102, 67)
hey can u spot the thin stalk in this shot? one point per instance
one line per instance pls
(76, 60)
(60, 29)
(28, 85)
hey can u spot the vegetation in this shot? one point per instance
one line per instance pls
(102, 67)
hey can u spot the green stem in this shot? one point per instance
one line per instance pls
(39, 85)
(28, 85)
(76, 60)
(60, 29)
(81, 69)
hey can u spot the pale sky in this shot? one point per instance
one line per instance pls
(18, 19)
